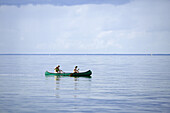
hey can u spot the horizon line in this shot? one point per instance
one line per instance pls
(158, 54)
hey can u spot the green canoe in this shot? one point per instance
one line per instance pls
(81, 74)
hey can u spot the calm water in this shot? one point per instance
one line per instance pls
(118, 84)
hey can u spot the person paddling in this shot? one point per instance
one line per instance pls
(76, 70)
(58, 70)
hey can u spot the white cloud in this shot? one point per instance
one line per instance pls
(140, 26)
(104, 34)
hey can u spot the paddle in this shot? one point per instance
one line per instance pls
(71, 74)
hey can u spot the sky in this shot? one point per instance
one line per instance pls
(85, 27)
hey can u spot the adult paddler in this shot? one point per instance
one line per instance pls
(58, 70)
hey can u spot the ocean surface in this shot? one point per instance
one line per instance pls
(119, 83)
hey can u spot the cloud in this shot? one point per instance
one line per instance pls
(61, 2)
(104, 34)
(136, 27)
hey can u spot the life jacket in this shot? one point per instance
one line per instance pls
(57, 69)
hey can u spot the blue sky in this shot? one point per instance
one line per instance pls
(104, 26)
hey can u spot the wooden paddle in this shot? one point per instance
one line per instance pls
(71, 74)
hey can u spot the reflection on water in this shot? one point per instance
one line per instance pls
(57, 78)
(74, 85)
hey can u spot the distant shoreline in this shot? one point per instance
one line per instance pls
(99, 54)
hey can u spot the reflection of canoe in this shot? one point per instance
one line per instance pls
(81, 74)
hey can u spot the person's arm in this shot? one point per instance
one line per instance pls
(74, 71)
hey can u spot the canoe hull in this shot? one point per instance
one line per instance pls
(81, 74)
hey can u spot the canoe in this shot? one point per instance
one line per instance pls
(81, 74)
